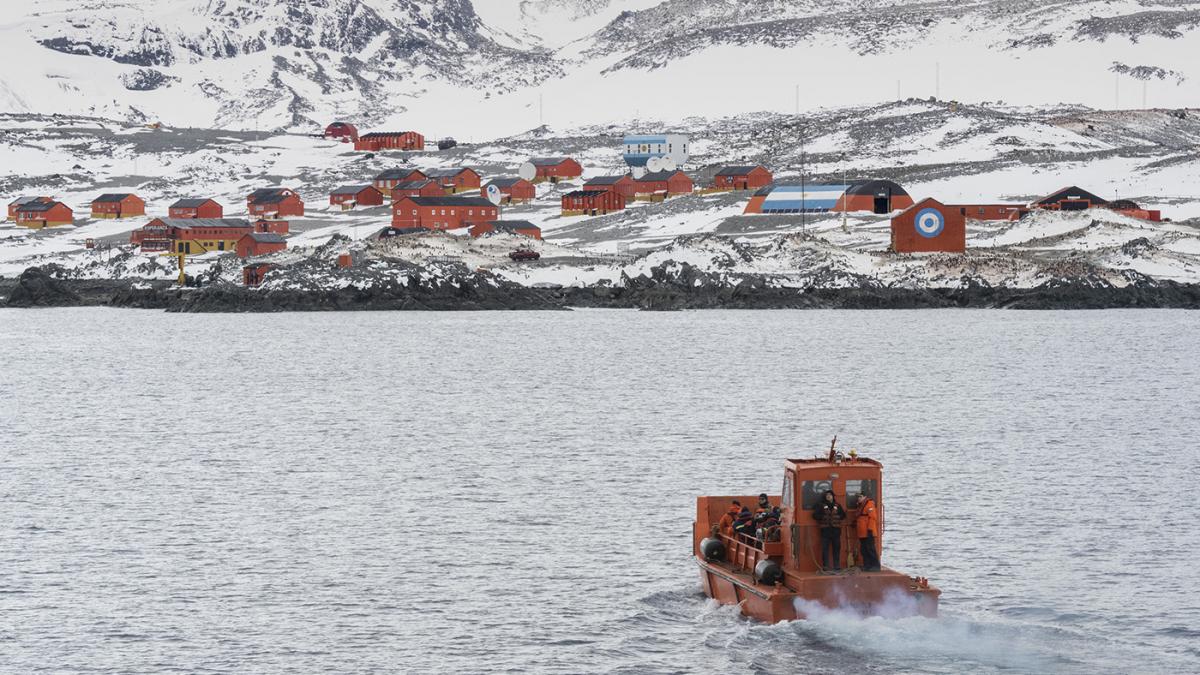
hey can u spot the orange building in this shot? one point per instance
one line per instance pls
(118, 205)
(929, 226)
(591, 202)
(663, 184)
(21, 201)
(742, 178)
(387, 181)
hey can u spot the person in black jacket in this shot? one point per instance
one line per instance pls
(830, 515)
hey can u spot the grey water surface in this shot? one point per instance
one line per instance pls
(514, 492)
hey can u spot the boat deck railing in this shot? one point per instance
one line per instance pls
(745, 552)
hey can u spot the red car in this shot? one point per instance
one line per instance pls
(524, 254)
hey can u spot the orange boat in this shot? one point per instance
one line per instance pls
(777, 575)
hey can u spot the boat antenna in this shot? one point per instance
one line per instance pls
(833, 449)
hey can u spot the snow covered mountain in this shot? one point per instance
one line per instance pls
(479, 68)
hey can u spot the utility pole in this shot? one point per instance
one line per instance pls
(803, 187)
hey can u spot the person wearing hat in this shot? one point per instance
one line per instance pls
(830, 515)
(744, 524)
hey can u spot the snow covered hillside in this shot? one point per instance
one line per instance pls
(487, 68)
(956, 153)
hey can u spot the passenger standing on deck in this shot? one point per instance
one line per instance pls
(868, 533)
(830, 515)
(731, 515)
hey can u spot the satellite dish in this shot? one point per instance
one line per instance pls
(638, 171)
(527, 171)
(654, 164)
(668, 164)
(493, 194)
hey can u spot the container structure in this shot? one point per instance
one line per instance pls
(639, 149)
(390, 140)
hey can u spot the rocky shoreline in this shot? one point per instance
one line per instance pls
(683, 288)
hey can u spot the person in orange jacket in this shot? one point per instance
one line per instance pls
(730, 515)
(868, 533)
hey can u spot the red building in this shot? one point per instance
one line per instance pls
(442, 213)
(623, 185)
(663, 184)
(1069, 199)
(521, 227)
(515, 190)
(260, 243)
(196, 208)
(39, 214)
(350, 196)
(277, 202)
(742, 178)
(342, 131)
(555, 169)
(390, 140)
(591, 202)
(253, 274)
(456, 180)
(389, 179)
(192, 236)
(929, 226)
(418, 188)
(20, 201)
(118, 205)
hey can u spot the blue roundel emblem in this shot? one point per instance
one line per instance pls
(929, 223)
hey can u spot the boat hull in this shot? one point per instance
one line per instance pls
(886, 593)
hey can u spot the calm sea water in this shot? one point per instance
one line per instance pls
(513, 492)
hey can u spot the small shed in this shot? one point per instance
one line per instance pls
(350, 196)
(254, 273)
(260, 243)
(929, 226)
(515, 190)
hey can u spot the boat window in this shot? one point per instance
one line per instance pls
(811, 491)
(870, 487)
(786, 500)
